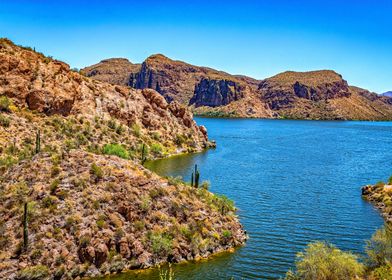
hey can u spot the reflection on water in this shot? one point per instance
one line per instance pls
(294, 182)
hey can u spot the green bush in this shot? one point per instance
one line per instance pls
(390, 181)
(136, 130)
(4, 121)
(382, 273)
(37, 272)
(96, 171)
(379, 248)
(5, 103)
(156, 148)
(324, 261)
(115, 149)
(161, 244)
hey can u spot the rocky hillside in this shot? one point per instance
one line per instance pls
(44, 85)
(116, 71)
(299, 95)
(74, 198)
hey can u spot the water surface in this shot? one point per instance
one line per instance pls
(294, 182)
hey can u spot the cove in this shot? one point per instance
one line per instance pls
(293, 182)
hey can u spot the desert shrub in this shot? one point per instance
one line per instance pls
(115, 149)
(176, 181)
(54, 186)
(4, 121)
(136, 130)
(379, 248)
(112, 124)
(37, 272)
(390, 181)
(101, 223)
(205, 185)
(161, 244)
(226, 234)
(120, 129)
(96, 171)
(48, 201)
(180, 139)
(325, 262)
(156, 148)
(5, 103)
(224, 204)
(145, 203)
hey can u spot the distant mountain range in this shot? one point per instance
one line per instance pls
(320, 94)
(388, 94)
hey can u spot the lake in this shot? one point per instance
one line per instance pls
(294, 182)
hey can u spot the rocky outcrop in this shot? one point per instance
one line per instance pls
(380, 196)
(214, 93)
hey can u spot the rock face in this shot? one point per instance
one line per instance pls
(214, 93)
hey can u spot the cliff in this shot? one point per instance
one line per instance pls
(214, 93)
(70, 150)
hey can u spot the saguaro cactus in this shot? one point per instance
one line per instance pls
(197, 177)
(25, 229)
(192, 179)
(143, 156)
(38, 142)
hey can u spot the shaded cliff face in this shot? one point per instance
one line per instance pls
(116, 71)
(214, 93)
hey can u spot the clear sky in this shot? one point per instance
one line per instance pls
(254, 38)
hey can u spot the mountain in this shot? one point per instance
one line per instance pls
(387, 94)
(75, 199)
(114, 70)
(175, 80)
(300, 95)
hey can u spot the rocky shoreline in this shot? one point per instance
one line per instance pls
(380, 195)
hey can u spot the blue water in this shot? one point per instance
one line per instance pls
(294, 182)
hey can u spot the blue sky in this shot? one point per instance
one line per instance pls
(255, 38)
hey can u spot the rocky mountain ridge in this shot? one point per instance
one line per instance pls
(299, 95)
